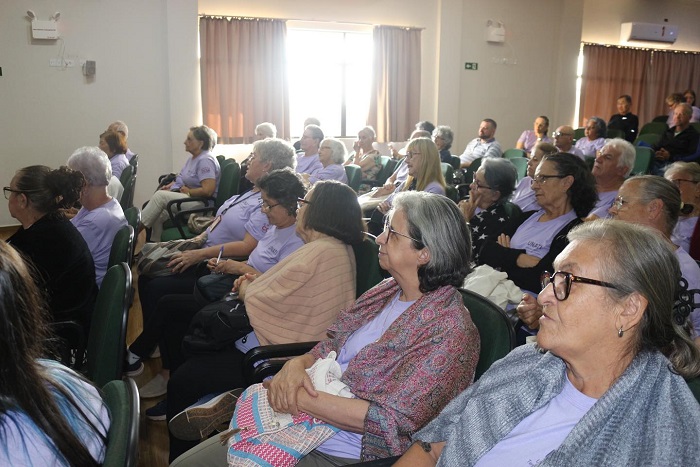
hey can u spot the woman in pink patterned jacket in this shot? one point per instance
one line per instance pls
(406, 347)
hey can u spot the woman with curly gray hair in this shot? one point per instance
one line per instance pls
(596, 131)
(332, 153)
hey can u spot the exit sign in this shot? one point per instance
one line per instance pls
(471, 66)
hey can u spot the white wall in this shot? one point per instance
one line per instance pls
(602, 19)
(49, 112)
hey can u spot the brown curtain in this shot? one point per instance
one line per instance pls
(395, 94)
(647, 75)
(244, 76)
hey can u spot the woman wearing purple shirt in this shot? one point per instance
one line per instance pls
(114, 145)
(199, 177)
(523, 196)
(331, 154)
(538, 134)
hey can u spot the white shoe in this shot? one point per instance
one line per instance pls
(156, 387)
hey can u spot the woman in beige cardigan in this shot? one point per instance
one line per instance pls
(294, 301)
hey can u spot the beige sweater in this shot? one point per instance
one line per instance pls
(299, 298)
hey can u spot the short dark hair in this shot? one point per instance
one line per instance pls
(206, 135)
(439, 225)
(48, 190)
(626, 97)
(491, 121)
(115, 140)
(333, 210)
(284, 186)
(425, 125)
(582, 193)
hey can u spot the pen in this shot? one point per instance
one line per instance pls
(221, 252)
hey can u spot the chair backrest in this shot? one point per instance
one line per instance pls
(107, 339)
(520, 164)
(468, 173)
(354, 173)
(126, 174)
(384, 172)
(447, 172)
(122, 399)
(660, 118)
(127, 199)
(649, 139)
(642, 160)
(696, 125)
(391, 166)
(133, 216)
(694, 385)
(579, 133)
(122, 246)
(495, 329)
(228, 183)
(368, 273)
(613, 133)
(512, 210)
(455, 161)
(134, 161)
(654, 127)
(514, 154)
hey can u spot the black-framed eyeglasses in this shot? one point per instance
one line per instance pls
(301, 202)
(266, 207)
(561, 283)
(678, 181)
(390, 230)
(480, 186)
(7, 191)
(542, 179)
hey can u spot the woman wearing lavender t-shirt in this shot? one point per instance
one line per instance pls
(565, 189)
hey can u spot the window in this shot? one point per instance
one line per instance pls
(329, 76)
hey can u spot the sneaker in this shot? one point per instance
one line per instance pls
(133, 369)
(158, 411)
(156, 387)
(155, 353)
(202, 418)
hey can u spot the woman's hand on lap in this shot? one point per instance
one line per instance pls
(283, 388)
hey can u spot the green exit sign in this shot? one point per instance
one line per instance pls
(471, 66)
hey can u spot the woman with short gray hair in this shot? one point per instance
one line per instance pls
(487, 210)
(596, 131)
(443, 136)
(265, 130)
(332, 153)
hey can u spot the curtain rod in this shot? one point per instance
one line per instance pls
(643, 48)
(204, 15)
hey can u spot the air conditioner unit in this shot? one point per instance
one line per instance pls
(648, 32)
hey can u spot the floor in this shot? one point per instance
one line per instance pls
(153, 443)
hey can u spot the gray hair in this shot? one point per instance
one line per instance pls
(338, 150)
(277, 152)
(637, 259)
(652, 187)
(686, 108)
(690, 168)
(267, 129)
(627, 153)
(439, 226)
(446, 134)
(370, 130)
(120, 127)
(206, 135)
(501, 175)
(316, 132)
(312, 121)
(601, 127)
(93, 163)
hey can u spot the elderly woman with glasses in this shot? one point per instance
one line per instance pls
(486, 210)
(293, 301)
(686, 176)
(603, 386)
(331, 154)
(406, 347)
(443, 137)
(594, 139)
(565, 190)
(655, 202)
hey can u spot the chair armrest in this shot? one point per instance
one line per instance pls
(176, 217)
(266, 360)
(372, 183)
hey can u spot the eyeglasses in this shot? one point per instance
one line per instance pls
(266, 207)
(479, 186)
(542, 179)
(410, 155)
(556, 134)
(619, 202)
(678, 181)
(390, 230)
(301, 202)
(561, 283)
(8, 191)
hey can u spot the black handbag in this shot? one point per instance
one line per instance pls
(216, 327)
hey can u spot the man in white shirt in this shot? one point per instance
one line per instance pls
(483, 146)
